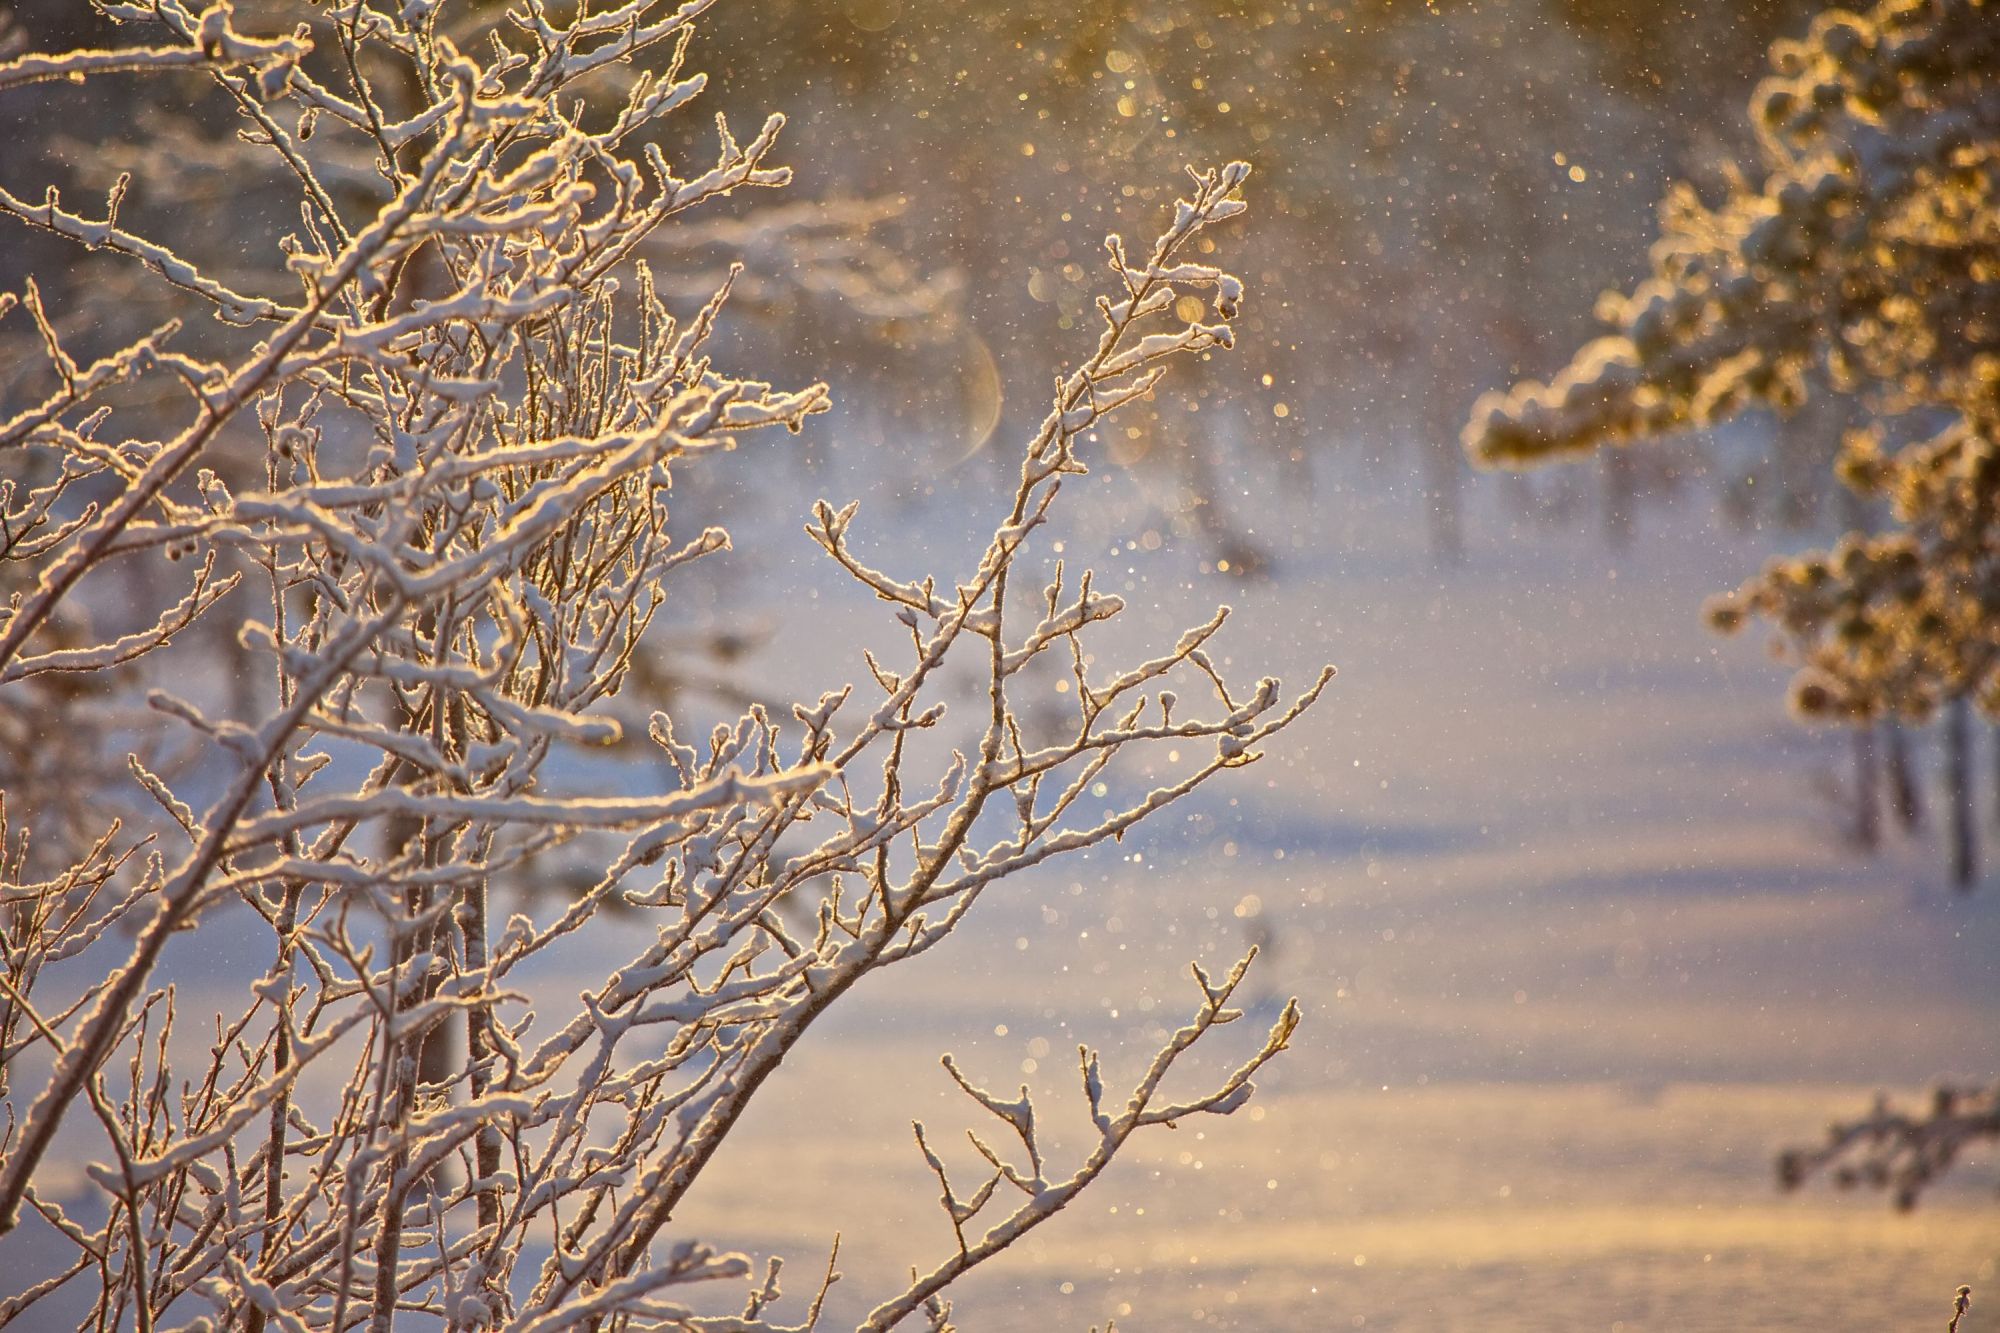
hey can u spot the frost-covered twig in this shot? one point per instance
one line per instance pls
(1046, 1198)
(444, 466)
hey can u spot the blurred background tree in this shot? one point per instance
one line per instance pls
(1452, 182)
(1854, 253)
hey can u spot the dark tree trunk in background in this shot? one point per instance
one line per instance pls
(1958, 782)
(1867, 789)
(1905, 793)
(1621, 495)
(1444, 486)
(1806, 445)
(1904, 790)
(1994, 730)
(1233, 546)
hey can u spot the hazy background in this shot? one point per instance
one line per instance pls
(1565, 895)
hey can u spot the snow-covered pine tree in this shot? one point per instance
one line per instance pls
(1861, 247)
(436, 514)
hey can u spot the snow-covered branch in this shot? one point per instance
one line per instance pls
(433, 437)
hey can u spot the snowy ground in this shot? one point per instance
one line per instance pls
(1578, 940)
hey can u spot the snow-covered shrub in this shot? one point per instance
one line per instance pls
(420, 471)
(1903, 1152)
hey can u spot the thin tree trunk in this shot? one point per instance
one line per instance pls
(436, 1059)
(1904, 789)
(1867, 789)
(478, 1049)
(1958, 779)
